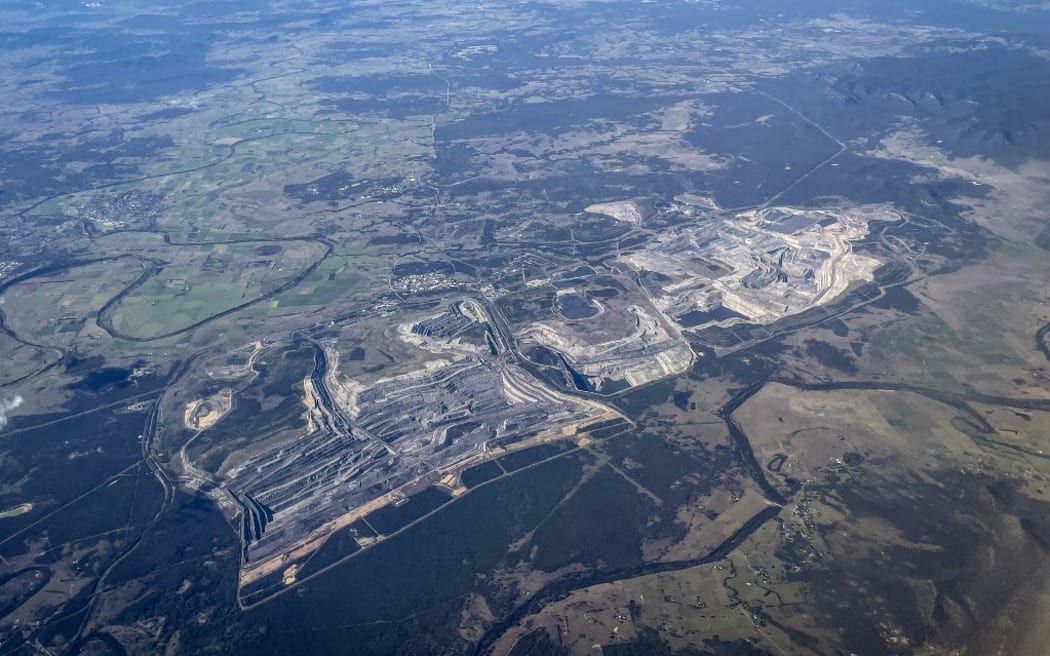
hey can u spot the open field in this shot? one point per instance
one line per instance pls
(201, 282)
(798, 436)
(22, 360)
(60, 308)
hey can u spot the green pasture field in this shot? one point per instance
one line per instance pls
(53, 309)
(203, 281)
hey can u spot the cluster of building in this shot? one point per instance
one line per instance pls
(133, 208)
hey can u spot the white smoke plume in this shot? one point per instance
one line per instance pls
(6, 406)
